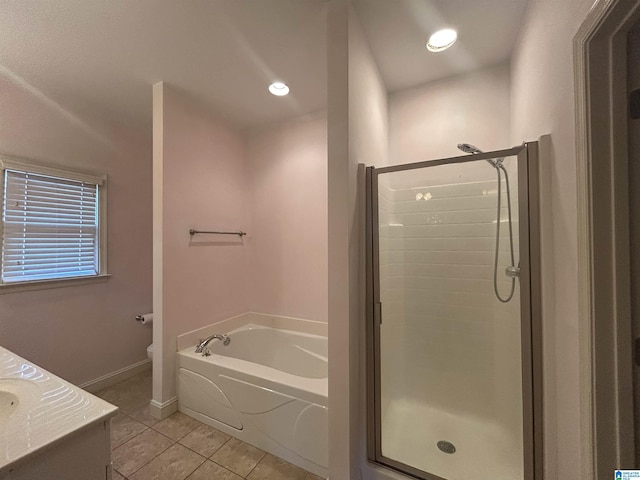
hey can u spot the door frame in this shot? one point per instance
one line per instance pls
(530, 307)
(600, 71)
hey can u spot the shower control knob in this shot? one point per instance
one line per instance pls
(512, 272)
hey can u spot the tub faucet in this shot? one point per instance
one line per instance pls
(202, 345)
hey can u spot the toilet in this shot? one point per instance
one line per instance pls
(147, 319)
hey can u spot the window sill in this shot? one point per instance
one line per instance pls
(52, 283)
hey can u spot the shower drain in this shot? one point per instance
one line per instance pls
(446, 447)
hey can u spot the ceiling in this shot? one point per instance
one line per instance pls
(98, 58)
(397, 31)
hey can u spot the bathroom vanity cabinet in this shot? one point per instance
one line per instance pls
(49, 428)
(82, 455)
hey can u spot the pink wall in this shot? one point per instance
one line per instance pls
(368, 101)
(287, 203)
(83, 332)
(543, 102)
(429, 121)
(342, 374)
(204, 186)
(357, 114)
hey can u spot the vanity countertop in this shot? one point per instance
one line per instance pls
(37, 409)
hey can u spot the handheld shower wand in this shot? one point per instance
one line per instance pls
(468, 148)
(512, 271)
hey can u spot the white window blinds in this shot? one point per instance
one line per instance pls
(50, 227)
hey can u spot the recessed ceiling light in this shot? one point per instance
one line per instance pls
(441, 40)
(279, 89)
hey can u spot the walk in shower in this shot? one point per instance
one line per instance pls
(453, 325)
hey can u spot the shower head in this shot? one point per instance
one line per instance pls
(468, 148)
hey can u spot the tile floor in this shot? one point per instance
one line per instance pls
(179, 447)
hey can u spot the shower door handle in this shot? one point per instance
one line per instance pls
(377, 313)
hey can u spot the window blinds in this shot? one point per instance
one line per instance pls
(50, 227)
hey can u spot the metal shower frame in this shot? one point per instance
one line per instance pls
(530, 308)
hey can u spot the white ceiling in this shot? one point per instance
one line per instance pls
(397, 31)
(99, 58)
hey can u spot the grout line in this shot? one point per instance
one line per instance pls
(118, 472)
(114, 448)
(176, 441)
(256, 465)
(192, 450)
(152, 459)
(237, 474)
(204, 459)
(223, 444)
(165, 436)
(134, 420)
(225, 468)
(195, 451)
(217, 449)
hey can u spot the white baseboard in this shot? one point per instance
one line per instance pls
(163, 410)
(116, 377)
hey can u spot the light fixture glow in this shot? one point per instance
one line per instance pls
(279, 89)
(441, 40)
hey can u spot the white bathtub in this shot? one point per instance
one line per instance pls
(268, 387)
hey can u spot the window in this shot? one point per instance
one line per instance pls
(52, 223)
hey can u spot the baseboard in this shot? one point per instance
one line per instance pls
(163, 410)
(112, 378)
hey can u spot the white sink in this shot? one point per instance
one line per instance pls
(37, 408)
(17, 396)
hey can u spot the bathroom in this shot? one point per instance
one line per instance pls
(190, 138)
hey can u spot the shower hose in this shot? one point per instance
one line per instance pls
(495, 262)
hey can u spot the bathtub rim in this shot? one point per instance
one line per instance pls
(279, 322)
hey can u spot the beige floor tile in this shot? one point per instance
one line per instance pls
(274, 468)
(117, 476)
(140, 450)
(127, 397)
(123, 429)
(108, 393)
(130, 394)
(212, 471)
(237, 456)
(176, 426)
(311, 476)
(205, 440)
(175, 463)
(142, 415)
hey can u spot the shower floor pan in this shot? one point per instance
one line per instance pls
(483, 450)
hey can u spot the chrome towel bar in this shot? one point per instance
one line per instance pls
(194, 232)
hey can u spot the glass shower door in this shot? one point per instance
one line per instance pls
(452, 387)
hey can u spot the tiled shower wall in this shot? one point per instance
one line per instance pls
(446, 340)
